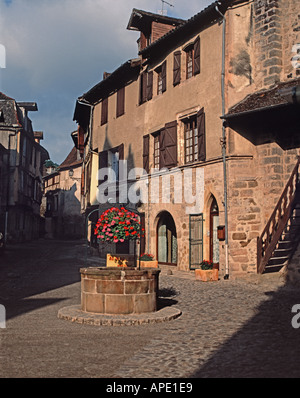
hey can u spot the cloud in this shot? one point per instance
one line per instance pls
(58, 49)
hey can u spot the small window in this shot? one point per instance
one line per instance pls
(191, 140)
(120, 102)
(156, 152)
(189, 62)
(104, 111)
(161, 78)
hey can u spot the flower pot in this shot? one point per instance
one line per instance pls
(149, 264)
(207, 275)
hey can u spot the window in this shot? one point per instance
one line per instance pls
(110, 159)
(146, 87)
(194, 138)
(191, 140)
(193, 58)
(156, 152)
(189, 63)
(120, 102)
(162, 78)
(104, 111)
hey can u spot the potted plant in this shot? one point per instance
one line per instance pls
(207, 272)
(116, 225)
(148, 261)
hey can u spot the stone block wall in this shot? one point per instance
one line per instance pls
(276, 32)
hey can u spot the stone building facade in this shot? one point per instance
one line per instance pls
(186, 105)
(22, 159)
(62, 198)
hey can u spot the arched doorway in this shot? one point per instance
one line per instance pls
(166, 240)
(213, 232)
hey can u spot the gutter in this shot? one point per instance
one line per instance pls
(223, 140)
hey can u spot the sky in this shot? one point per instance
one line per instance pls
(56, 50)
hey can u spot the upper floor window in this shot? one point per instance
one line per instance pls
(146, 87)
(195, 138)
(161, 78)
(191, 140)
(193, 58)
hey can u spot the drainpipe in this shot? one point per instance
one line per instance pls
(223, 141)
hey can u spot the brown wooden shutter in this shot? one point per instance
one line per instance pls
(121, 151)
(150, 86)
(104, 111)
(146, 141)
(197, 56)
(170, 145)
(164, 76)
(121, 102)
(201, 135)
(177, 68)
(103, 163)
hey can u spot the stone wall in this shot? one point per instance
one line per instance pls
(276, 31)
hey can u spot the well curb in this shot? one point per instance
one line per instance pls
(74, 314)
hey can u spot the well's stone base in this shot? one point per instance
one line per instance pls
(112, 291)
(76, 315)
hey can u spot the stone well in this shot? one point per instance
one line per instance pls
(112, 291)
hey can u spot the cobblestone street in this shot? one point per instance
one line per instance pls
(234, 328)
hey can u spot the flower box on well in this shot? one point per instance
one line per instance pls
(119, 260)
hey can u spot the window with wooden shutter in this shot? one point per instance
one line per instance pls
(191, 140)
(168, 145)
(177, 68)
(146, 141)
(104, 111)
(197, 56)
(143, 87)
(120, 102)
(149, 86)
(201, 135)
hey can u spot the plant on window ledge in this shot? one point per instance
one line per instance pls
(117, 225)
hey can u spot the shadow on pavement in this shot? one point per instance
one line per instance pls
(267, 346)
(34, 268)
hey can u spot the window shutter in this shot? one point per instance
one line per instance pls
(121, 101)
(177, 68)
(197, 56)
(103, 163)
(164, 76)
(170, 144)
(121, 151)
(104, 111)
(150, 86)
(144, 87)
(201, 135)
(146, 141)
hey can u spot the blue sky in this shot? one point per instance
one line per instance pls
(57, 50)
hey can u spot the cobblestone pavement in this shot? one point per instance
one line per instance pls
(235, 328)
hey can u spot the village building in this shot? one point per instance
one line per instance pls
(21, 164)
(197, 106)
(62, 199)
